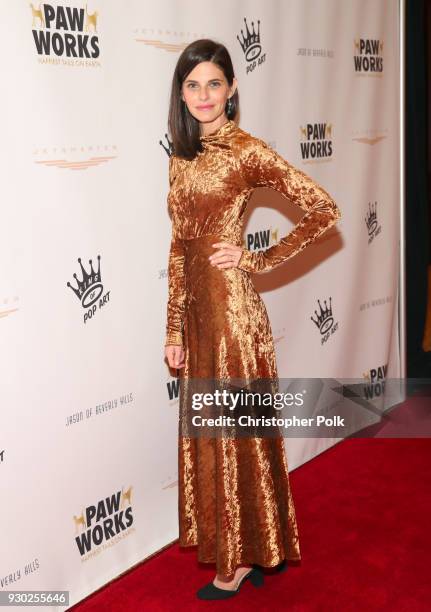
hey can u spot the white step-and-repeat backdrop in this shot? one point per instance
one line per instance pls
(88, 421)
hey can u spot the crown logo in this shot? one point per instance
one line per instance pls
(324, 319)
(371, 218)
(90, 287)
(250, 43)
(169, 149)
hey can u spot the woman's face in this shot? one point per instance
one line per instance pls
(205, 91)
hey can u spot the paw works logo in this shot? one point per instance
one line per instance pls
(324, 321)
(65, 32)
(261, 239)
(104, 523)
(368, 56)
(316, 141)
(376, 382)
(173, 388)
(89, 290)
(250, 44)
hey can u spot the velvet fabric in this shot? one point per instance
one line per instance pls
(235, 501)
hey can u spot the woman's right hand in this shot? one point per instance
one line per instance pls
(175, 355)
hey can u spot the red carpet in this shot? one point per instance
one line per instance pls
(363, 509)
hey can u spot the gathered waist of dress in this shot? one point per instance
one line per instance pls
(210, 238)
(198, 249)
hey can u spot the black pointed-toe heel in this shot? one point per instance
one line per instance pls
(256, 577)
(282, 567)
(277, 569)
(210, 591)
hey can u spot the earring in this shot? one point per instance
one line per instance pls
(229, 105)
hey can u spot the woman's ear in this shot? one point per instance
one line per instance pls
(234, 87)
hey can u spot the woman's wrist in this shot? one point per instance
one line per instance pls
(174, 338)
(251, 261)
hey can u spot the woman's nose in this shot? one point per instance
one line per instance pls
(203, 93)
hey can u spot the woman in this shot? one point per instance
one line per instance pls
(235, 501)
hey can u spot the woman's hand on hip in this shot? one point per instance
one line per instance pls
(227, 256)
(175, 355)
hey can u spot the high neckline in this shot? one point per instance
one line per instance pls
(223, 130)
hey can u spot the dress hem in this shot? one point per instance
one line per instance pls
(245, 561)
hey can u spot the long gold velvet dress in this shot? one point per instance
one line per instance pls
(235, 501)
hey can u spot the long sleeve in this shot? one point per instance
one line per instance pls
(262, 166)
(176, 294)
(176, 283)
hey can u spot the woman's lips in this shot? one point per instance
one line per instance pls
(206, 107)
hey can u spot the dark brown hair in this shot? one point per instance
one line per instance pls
(183, 127)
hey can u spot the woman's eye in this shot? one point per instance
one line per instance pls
(194, 85)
